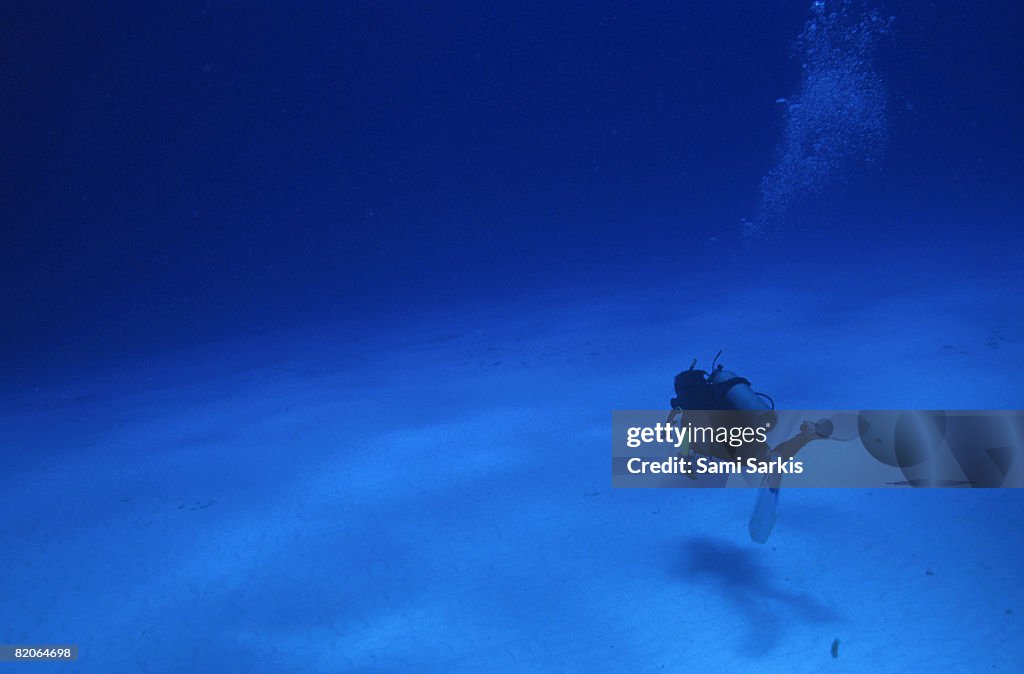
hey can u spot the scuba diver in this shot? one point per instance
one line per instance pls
(723, 395)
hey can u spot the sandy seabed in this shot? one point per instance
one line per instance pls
(434, 495)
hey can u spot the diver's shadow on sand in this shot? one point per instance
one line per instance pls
(753, 589)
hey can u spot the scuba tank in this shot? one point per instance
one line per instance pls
(733, 392)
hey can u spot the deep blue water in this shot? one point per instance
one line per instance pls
(181, 172)
(386, 205)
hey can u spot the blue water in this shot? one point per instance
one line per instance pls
(314, 317)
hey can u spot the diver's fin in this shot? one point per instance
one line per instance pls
(763, 519)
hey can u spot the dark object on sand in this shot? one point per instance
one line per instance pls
(835, 648)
